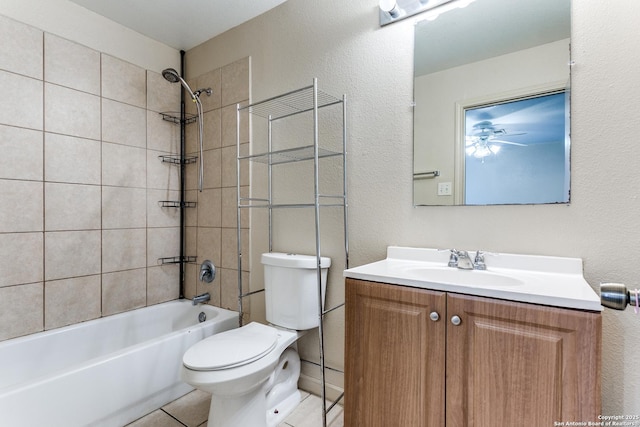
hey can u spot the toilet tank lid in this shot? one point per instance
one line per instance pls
(279, 259)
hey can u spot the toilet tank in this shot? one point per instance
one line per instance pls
(291, 289)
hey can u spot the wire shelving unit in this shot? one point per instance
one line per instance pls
(306, 101)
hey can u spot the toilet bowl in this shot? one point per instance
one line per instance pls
(240, 368)
(252, 372)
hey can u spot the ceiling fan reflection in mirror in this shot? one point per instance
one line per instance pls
(486, 138)
(520, 122)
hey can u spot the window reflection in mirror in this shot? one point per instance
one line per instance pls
(465, 59)
(526, 140)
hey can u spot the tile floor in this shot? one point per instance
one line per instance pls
(191, 410)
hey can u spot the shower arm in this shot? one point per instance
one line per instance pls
(208, 91)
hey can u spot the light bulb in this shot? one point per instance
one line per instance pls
(481, 152)
(390, 7)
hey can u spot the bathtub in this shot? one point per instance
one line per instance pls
(104, 372)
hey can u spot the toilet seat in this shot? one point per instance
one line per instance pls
(233, 348)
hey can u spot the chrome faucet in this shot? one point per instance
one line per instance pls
(201, 298)
(464, 262)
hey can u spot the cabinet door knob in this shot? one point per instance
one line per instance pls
(456, 320)
(434, 316)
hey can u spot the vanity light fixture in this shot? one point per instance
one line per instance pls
(395, 10)
(390, 7)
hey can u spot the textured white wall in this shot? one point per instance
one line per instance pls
(342, 44)
(606, 160)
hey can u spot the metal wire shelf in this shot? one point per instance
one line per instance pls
(176, 159)
(290, 155)
(289, 104)
(252, 203)
(174, 117)
(177, 260)
(307, 99)
(176, 204)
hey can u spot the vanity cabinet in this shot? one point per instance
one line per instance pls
(417, 357)
(394, 356)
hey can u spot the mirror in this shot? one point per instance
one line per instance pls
(491, 115)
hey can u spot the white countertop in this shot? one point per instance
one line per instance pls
(553, 281)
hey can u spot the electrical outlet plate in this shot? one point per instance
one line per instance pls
(444, 189)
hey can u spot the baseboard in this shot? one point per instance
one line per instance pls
(314, 386)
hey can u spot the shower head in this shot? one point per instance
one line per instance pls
(172, 76)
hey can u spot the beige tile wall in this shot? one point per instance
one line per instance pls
(81, 229)
(212, 226)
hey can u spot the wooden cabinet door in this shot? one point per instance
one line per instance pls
(394, 357)
(512, 364)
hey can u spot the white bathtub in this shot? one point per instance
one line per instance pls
(104, 372)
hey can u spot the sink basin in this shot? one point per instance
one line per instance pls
(462, 277)
(533, 279)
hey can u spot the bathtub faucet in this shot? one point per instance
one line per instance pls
(207, 271)
(201, 298)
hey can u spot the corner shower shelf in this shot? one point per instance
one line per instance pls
(174, 117)
(176, 159)
(307, 99)
(177, 260)
(176, 204)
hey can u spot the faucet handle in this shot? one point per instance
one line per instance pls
(207, 271)
(478, 262)
(453, 258)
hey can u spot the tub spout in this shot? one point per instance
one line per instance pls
(201, 298)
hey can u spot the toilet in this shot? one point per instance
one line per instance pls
(252, 372)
